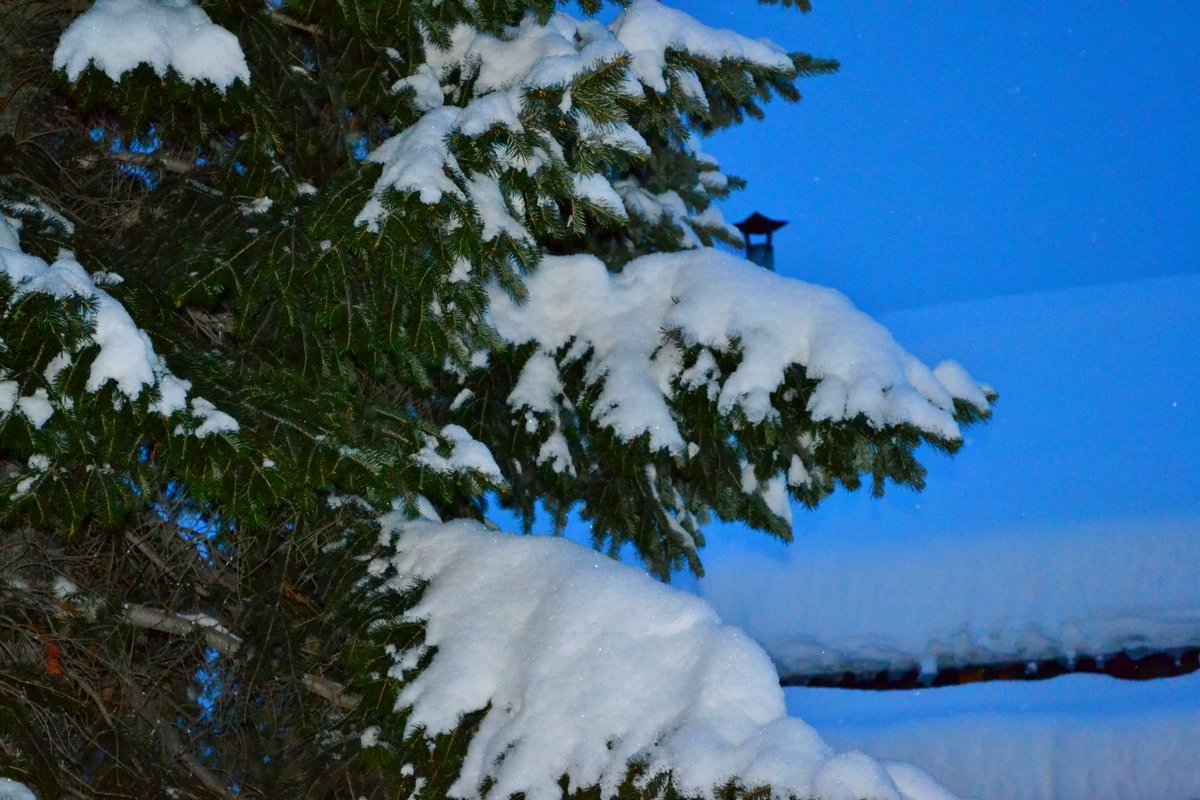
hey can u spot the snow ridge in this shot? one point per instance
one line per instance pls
(549, 634)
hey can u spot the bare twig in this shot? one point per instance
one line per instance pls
(176, 750)
(170, 164)
(155, 619)
(284, 19)
(332, 691)
(229, 645)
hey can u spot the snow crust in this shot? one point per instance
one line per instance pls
(724, 304)
(1076, 737)
(587, 664)
(118, 35)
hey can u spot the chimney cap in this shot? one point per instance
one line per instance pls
(757, 223)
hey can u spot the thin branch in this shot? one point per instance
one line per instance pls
(228, 645)
(170, 164)
(284, 19)
(174, 624)
(174, 747)
(332, 691)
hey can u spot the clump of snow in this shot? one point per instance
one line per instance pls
(118, 35)
(526, 57)
(596, 189)
(9, 237)
(259, 205)
(212, 420)
(36, 407)
(427, 91)
(721, 303)
(466, 454)
(14, 790)
(415, 160)
(548, 633)
(529, 55)
(648, 29)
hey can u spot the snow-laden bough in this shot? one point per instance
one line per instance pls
(721, 303)
(585, 665)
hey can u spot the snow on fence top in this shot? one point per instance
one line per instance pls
(548, 635)
(719, 302)
(118, 35)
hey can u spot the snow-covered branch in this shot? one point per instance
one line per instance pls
(547, 635)
(727, 306)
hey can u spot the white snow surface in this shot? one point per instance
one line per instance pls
(466, 454)
(118, 35)
(587, 663)
(648, 29)
(1027, 595)
(1068, 526)
(717, 301)
(1076, 737)
(14, 790)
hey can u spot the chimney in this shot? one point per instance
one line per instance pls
(761, 252)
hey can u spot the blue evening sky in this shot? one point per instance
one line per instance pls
(975, 150)
(972, 149)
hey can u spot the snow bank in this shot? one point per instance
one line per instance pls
(724, 304)
(1070, 525)
(588, 664)
(119, 35)
(1076, 737)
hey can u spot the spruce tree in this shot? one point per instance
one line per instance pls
(271, 270)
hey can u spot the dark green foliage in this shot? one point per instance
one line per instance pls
(340, 350)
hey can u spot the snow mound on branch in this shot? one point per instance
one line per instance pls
(126, 357)
(648, 29)
(118, 35)
(530, 55)
(586, 664)
(12, 790)
(721, 303)
(467, 454)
